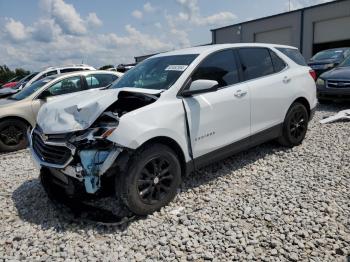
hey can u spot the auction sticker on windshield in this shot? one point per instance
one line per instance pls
(176, 68)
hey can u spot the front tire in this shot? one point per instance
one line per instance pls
(13, 135)
(151, 180)
(294, 126)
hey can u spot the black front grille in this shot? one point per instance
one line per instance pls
(338, 84)
(57, 155)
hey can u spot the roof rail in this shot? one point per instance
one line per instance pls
(62, 66)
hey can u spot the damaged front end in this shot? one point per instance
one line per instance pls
(83, 161)
(84, 156)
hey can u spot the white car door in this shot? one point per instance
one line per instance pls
(269, 85)
(218, 119)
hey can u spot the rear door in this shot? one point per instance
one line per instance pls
(269, 84)
(218, 119)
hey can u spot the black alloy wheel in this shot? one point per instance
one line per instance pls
(150, 179)
(298, 125)
(155, 180)
(12, 135)
(295, 126)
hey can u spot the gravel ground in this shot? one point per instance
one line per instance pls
(267, 204)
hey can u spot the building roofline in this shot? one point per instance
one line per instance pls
(279, 14)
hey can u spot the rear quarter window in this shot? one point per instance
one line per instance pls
(293, 54)
(278, 63)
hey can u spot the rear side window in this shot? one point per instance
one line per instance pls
(100, 80)
(293, 54)
(278, 63)
(50, 73)
(220, 66)
(256, 62)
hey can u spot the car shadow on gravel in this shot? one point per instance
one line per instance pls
(35, 207)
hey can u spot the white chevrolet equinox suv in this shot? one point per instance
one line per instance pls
(171, 114)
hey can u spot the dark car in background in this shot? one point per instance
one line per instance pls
(11, 83)
(5, 92)
(335, 84)
(328, 59)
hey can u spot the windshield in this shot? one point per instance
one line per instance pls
(29, 90)
(345, 63)
(156, 73)
(328, 54)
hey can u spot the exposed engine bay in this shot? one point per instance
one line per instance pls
(90, 155)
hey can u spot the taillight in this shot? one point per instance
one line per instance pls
(313, 74)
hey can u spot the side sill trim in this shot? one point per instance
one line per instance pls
(239, 146)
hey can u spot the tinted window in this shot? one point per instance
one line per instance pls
(345, 63)
(99, 80)
(156, 73)
(329, 54)
(67, 70)
(256, 62)
(278, 63)
(65, 86)
(29, 90)
(50, 73)
(293, 54)
(220, 66)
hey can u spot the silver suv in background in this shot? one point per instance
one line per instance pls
(18, 112)
(58, 70)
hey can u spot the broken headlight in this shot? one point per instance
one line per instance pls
(93, 134)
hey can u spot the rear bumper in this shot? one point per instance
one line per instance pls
(333, 93)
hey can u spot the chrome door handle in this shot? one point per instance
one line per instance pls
(286, 79)
(240, 93)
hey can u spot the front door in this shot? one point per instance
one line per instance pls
(218, 119)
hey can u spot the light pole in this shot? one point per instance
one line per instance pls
(289, 5)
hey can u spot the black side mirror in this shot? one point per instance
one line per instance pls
(201, 86)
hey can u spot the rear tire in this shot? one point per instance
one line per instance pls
(13, 135)
(294, 126)
(151, 179)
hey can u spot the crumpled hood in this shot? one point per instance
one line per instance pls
(78, 111)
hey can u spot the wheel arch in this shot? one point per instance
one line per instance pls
(173, 145)
(16, 118)
(304, 102)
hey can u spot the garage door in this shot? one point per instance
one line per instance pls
(332, 30)
(279, 36)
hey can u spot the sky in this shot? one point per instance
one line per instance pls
(35, 34)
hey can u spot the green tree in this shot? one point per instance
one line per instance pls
(6, 73)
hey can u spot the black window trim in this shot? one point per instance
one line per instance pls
(240, 68)
(274, 73)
